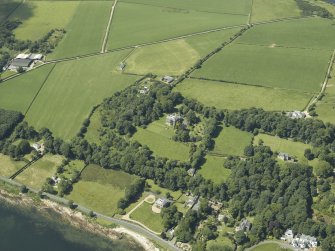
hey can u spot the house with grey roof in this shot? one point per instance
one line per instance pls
(172, 119)
(16, 63)
(167, 79)
(161, 202)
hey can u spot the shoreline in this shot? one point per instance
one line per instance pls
(77, 219)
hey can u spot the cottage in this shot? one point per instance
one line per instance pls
(172, 119)
(18, 62)
(284, 156)
(36, 146)
(191, 201)
(245, 225)
(167, 79)
(288, 236)
(296, 115)
(191, 171)
(144, 91)
(161, 203)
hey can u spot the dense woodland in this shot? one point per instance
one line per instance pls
(309, 9)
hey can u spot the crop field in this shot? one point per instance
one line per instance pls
(158, 137)
(135, 24)
(8, 166)
(22, 89)
(234, 97)
(263, 10)
(72, 89)
(315, 33)
(146, 216)
(214, 169)
(269, 66)
(36, 174)
(101, 189)
(40, 17)
(232, 141)
(241, 7)
(86, 30)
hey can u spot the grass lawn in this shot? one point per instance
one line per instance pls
(268, 247)
(158, 137)
(317, 33)
(71, 91)
(17, 93)
(93, 135)
(235, 97)
(146, 216)
(326, 107)
(171, 58)
(42, 16)
(263, 10)
(180, 204)
(161, 192)
(276, 67)
(214, 169)
(86, 31)
(74, 165)
(36, 174)
(232, 141)
(7, 74)
(241, 7)
(100, 189)
(8, 166)
(137, 23)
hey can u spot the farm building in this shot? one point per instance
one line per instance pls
(29, 56)
(172, 119)
(25, 63)
(122, 66)
(167, 79)
(296, 115)
(161, 202)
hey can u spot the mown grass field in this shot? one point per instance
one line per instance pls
(213, 169)
(101, 189)
(276, 67)
(241, 7)
(268, 247)
(161, 192)
(42, 16)
(146, 216)
(158, 137)
(232, 141)
(263, 10)
(8, 166)
(36, 174)
(86, 31)
(73, 88)
(17, 93)
(315, 33)
(234, 97)
(135, 24)
(325, 108)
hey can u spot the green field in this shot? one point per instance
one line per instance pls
(235, 97)
(22, 89)
(93, 135)
(316, 33)
(72, 89)
(214, 169)
(72, 167)
(162, 191)
(325, 108)
(8, 166)
(241, 7)
(158, 137)
(263, 10)
(269, 247)
(36, 174)
(100, 189)
(135, 24)
(146, 216)
(232, 141)
(276, 67)
(86, 30)
(40, 17)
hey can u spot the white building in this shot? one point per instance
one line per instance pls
(304, 241)
(288, 236)
(172, 119)
(161, 202)
(296, 115)
(167, 79)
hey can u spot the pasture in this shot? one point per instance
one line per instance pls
(86, 30)
(263, 10)
(314, 33)
(100, 189)
(146, 216)
(213, 169)
(42, 16)
(71, 91)
(135, 24)
(269, 66)
(241, 7)
(22, 89)
(232, 141)
(8, 166)
(36, 174)
(234, 96)
(158, 137)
